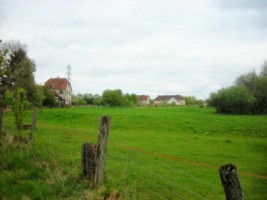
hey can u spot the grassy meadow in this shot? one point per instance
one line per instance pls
(153, 153)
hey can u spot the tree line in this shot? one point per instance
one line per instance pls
(192, 100)
(109, 97)
(248, 94)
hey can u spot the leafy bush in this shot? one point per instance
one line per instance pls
(117, 98)
(234, 99)
(19, 105)
(248, 95)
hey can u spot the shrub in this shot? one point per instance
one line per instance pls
(19, 105)
(236, 100)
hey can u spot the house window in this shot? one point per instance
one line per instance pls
(60, 91)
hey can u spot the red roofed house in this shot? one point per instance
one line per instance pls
(62, 88)
(144, 100)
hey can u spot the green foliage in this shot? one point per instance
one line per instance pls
(97, 100)
(39, 96)
(248, 95)
(3, 69)
(112, 98)
(192, 100)
(264, 69)
(30, 174)
(19, 105)
(236, 100)
(260, 105)
(90, 98)
(49, 97)
(86, 99)
(16, 70)
(78, 99)
(257, 87)
(130, 100)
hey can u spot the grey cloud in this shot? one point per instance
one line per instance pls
(241, 4)
(255, 10)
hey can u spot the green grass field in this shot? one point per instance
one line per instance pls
(153, 153)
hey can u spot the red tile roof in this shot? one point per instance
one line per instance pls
(143, 97)
(57, 83)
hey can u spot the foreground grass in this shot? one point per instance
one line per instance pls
(153, 153)
(28, 173)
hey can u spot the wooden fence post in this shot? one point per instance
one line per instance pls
(94, 156)
(230, 182)
(101, 150)
(34, 120)
(88, 160)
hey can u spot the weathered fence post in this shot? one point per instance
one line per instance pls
(34, 120)
(230, 182)
(101, 150)
(93, 156)
(88, 160)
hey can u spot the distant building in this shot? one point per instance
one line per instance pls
(170, 99)
(62, 89)
(144, 100)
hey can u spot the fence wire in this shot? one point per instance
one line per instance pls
(143, 176)
(140, 175)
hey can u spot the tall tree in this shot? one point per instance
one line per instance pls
(3, 72)
(17, 70)
(262, 88)
(3, 67)
(248, 95)
(257, 87)
(249, 81)
(264, 69)
(112, 98)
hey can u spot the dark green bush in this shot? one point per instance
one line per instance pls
(235, 100)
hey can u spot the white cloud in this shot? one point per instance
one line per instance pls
(150, 47)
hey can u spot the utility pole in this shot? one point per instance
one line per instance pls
(69, 73)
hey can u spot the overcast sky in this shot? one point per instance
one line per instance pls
(153, 47)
